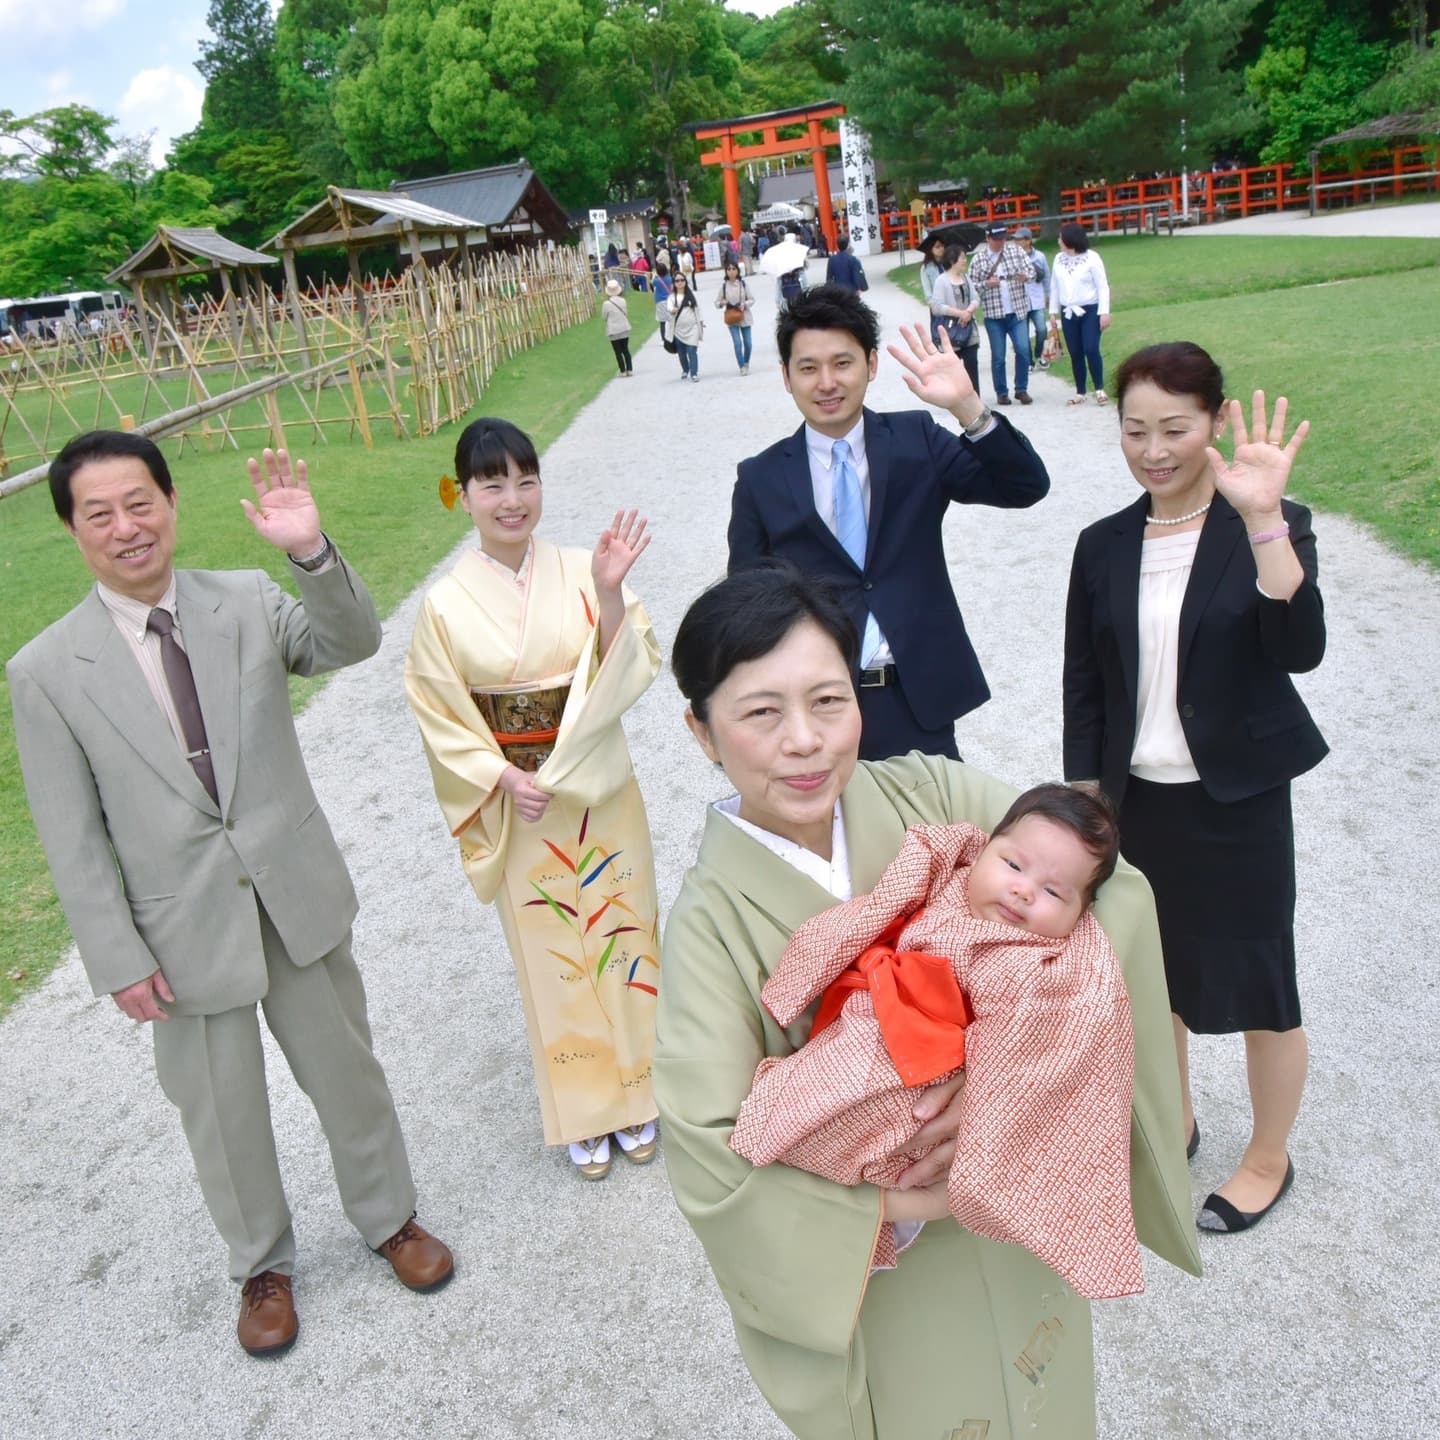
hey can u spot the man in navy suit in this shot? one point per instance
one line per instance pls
(859, 497)
(842, 268)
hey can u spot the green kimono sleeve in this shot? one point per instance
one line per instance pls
(790, 1251)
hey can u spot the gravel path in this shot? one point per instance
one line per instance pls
(1388, 221)
(588, 1309)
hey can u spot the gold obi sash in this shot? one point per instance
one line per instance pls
(525, 723)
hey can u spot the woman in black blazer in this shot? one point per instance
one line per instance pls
(1188, 612)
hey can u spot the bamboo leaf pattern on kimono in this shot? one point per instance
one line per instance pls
(605, 958)
(595, 873)
(576, 967)
(564, 911)
(562, 857)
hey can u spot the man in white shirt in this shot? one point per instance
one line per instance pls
(858, 497)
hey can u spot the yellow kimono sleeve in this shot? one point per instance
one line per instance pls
(790, 1251)
(590, 761)
(466, 763)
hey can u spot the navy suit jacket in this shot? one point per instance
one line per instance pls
(917, 468)
(1247, 727)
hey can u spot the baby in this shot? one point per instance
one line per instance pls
(981, 953)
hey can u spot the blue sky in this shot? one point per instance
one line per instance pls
(133, 59)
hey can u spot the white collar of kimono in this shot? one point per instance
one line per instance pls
(832, 875)
(518, 576)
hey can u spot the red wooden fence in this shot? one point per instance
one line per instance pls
(1223, 195)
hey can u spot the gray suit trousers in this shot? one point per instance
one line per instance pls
(212, 1068)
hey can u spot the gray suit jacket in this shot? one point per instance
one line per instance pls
(149, 870)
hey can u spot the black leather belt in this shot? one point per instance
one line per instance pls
(877, 676)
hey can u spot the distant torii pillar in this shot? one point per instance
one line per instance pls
(730, 152)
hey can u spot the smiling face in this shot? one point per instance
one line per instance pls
(505, 509)
(1164, 438)
(828, 375)
(124, 525)
(1034, 877)
(786, 729)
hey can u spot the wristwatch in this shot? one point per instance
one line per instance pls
(311, 563)
(985, 416)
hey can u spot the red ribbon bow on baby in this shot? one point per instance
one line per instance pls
(919, 1006)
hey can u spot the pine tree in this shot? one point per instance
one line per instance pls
(1038, 95)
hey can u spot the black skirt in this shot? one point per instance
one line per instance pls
(1224, 883)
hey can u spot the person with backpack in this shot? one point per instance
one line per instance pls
(687, 326)
(790, 286)
(736, 301)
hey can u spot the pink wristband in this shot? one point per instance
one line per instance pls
(1279, 533)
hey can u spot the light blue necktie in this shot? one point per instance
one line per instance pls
(851, 531)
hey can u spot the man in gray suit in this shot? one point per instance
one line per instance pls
(196, 869)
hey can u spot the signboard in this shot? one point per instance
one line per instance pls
(599, 217)
(712, 255)
(862, 203)
(917, 207)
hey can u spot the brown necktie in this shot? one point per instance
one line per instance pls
(187, 703)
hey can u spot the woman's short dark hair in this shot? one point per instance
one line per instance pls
(953, 253)
(746, 616)
(1087, 814)
(661, 268)
(828, 307)
(103, 445)
(1072, 233)
(484, 446)
(1178, 367)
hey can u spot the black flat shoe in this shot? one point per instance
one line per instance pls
(1220, 1217)
(1193, 1143)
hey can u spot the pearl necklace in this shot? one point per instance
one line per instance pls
(1180, 519)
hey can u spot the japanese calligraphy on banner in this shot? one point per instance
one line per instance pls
(862, 205)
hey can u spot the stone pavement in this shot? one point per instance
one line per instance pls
(588, 1310)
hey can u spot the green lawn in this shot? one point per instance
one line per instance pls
(1334, 324)
(380, 504)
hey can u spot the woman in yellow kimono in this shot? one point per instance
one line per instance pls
(524, 659)
(965, 1339)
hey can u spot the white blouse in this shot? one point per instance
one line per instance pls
(1077, 281)
(1161, 752)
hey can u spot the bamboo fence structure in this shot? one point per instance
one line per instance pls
(414, 352)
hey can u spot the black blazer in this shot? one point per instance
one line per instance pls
(917, 468)
(1246, 725)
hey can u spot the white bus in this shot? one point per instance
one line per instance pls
(40, 316)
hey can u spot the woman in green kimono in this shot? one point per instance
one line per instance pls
(965, 1338)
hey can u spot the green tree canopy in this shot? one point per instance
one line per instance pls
(1038, 94)
(83, 201)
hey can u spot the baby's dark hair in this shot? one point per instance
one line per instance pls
(484, 445)
(1085, 813)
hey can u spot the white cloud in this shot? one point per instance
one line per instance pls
(162, 99)
(61, 83)
(30, 21)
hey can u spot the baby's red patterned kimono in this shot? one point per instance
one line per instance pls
(1041, 1026)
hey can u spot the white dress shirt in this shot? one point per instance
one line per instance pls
(131, 619)
(820, 451)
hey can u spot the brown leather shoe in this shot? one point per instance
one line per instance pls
(1023, 396)
(268, 1323)
(419, 1260)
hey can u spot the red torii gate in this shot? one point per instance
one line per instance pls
(730, 153)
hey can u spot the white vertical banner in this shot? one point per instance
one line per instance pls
(862, 202)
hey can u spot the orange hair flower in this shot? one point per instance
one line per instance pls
(449, 492)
